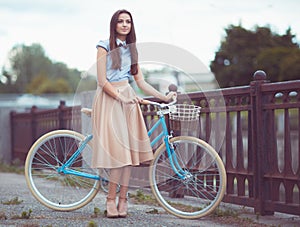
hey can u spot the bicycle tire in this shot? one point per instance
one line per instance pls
(62, 192)
(204, 186)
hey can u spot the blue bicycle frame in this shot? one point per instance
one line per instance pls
(65, 167)
(170, 148)
(164, 134)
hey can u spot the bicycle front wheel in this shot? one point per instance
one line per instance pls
(59, 191)
(199, 185)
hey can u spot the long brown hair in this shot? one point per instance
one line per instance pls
(130, 40)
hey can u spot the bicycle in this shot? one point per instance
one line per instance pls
(187, 176)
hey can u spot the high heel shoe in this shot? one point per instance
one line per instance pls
(122, 207)
(111, 208)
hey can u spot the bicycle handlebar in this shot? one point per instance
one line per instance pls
(88, 111)
(160, 105)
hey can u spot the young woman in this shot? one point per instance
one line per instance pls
(120, 135)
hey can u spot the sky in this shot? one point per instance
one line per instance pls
(69, 30)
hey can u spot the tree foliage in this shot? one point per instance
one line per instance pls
(243, 51)
(31, 71)
(26, 63)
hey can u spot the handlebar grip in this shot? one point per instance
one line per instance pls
(145, 102)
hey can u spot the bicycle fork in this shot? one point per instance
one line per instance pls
(182, 174)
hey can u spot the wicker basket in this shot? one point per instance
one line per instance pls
(184, 117)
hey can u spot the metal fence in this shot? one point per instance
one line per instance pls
(254, 128)
(27, 127)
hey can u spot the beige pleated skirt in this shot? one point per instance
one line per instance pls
(119, 132)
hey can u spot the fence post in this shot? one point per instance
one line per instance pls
(61, 107)
(33, 124)
(258, 143)
(12, 135)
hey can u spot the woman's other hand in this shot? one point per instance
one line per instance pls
(126, 100)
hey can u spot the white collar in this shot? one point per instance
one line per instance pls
(119, 41)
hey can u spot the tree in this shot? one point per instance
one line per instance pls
(244, 51)
(6, 81)
(61, 86)
(27, 62)
(87, 83)
(42, 84)
(35, 86)
(290, 66)
(270, 60)
(32, 71)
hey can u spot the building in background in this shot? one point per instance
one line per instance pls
(186, 82)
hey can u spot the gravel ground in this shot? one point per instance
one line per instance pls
(14, 185)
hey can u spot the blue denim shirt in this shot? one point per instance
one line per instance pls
(113, 75)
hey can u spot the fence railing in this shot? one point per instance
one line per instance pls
(27, 127)
(254, 128)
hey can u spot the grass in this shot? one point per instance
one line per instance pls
(224, 213)
(141, 197)
(148, 199)
(15, 167)
(24, 215)
(3, 216)
(14, 201)
(97, 212)
(153, 211)
(92, 224)
(232, 216)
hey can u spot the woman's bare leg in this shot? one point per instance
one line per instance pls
(114, 180)
(123, 206)
(126, 172)
(111, 207)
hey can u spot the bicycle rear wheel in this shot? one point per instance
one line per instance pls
(58, 191)
(203, 186)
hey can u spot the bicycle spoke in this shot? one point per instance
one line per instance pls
(197, 190)
(55, 190)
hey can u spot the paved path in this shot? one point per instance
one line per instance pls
(14, 185)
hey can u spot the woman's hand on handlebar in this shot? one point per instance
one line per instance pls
(141, 100)
(171, 96)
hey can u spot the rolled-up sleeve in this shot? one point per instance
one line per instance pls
(103, 44)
